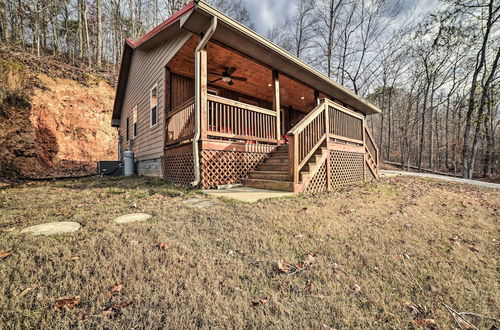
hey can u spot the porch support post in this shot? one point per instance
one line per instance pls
(276, 104)
(316, 97)
(203, 94)
(364, 151)
(167, 91)
(326, 109)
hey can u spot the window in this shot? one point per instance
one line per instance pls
(127, 129)
(212, 92)
(153, 105)
(134, 122)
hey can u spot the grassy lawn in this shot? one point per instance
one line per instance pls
(383, 255)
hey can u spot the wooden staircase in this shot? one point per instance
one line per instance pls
(274, 173)
(372, 165)
(301, 167)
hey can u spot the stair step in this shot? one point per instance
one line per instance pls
(269, 184)
(279, 156)
(273, 167)
(281, 147)
(276, 161)
(270, 175)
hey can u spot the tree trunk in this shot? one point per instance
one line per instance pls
(480, 119)
(99, 34)
(480, 63)
(4, 20)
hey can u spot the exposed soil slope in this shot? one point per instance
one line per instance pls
(55, 119)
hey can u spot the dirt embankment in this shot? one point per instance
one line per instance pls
(54, 119)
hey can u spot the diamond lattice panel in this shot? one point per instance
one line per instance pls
(318, 183)
(178, 167)
(227, 167)
(346, 167)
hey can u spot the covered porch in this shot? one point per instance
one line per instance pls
(247, 110)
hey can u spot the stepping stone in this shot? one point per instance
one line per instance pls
(132, 217)
(192, 201)
(52, 228)
(204, 204)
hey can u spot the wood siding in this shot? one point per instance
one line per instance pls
(147, 69)
(182, 90)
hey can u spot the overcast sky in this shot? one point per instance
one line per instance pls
(265, 13)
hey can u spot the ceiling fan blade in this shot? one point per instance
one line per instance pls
(215, 80)
(215, 73)
(230, 83)
(239, 78)
(231, 70)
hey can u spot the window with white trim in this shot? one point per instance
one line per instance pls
(134, 122)
(153, 106)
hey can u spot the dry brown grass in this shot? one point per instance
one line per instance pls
(220, 269)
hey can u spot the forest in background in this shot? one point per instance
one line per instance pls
(435, 75)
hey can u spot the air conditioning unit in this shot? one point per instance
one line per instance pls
(110, 168)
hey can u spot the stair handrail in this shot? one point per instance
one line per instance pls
(370, 137)
(294, 163)
(308, 118)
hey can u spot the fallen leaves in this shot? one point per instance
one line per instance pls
(355, 289)
(259, 302)
(116, 288)
(6, 254)
(67, 303)
(115, 310)
(290, 269)
(425, 323)
(161, 245)
(283, 266)
(417, 311)
(471, 245)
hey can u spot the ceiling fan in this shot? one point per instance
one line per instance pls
(227, 76)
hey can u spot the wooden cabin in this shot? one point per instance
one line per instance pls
(204, 101)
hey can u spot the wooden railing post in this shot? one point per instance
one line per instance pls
(293, 158)
(364, 149)
(327, 121)
(276, 104)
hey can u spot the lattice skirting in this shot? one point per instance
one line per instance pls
(319, 182)
(227, 167)
(178, 166)
(346, 167)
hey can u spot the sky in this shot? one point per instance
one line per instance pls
(266, 13)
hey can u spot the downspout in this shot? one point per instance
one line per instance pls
(197, 100)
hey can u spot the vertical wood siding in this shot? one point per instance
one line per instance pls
(182, 90)
(147, 69)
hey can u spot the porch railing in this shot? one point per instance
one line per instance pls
(240, 121)
(345, 124)
(180, 123)
(306, 137)
(329, 121)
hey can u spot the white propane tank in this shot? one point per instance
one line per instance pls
(128, 163)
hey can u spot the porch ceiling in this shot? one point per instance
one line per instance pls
(259, 77)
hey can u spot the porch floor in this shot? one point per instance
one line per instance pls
(247, 194)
